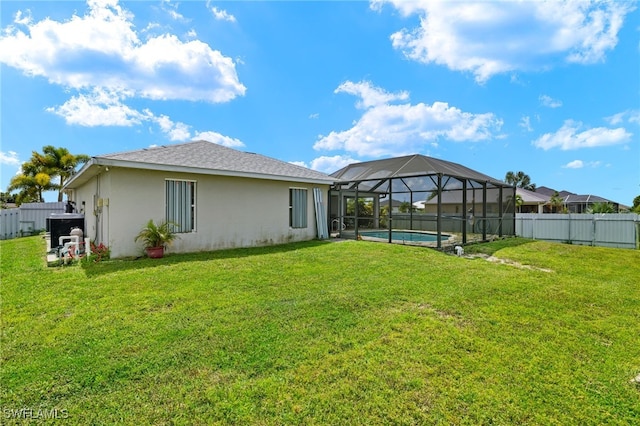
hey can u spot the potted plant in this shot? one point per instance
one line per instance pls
(156, 236)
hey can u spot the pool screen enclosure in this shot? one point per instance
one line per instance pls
(422, 194)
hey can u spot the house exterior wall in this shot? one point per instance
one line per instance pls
(230, 212)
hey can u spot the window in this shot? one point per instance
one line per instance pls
(180, 197)
(297, 208)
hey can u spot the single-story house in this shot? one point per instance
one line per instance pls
(220, 197)
(395, 205)
(575, 203)
(532, 202)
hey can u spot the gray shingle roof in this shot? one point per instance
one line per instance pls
(214, 157)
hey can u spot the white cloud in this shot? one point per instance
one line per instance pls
(525, 123)
(630, 116)
(489, 38)
(331, 164)
(369, 94)
(570, 137)
(100, 108)
(548, 101)
(174, 131)
(9, 158)
(576, 164)
(579, 164)
(219, 139)
(222, 15)
(386, 129)
(172, 10)
(109, 55)
(23, 19)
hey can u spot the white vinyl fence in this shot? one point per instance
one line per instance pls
(27, 219)
(606, 230)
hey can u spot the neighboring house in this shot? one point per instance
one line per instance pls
(532, 202)
(575, 203)
(395, 205)
(220, 197)
(451, 203)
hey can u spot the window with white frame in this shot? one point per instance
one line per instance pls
(180, 196)
(297, 207)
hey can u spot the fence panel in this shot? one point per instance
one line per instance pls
(607, 230)
(9, 223)
(616, 231)
(27, 219)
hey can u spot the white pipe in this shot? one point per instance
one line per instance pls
(72, 238)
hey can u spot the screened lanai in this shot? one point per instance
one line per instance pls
(419, 200)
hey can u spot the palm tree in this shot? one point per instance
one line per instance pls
(37, 174)
(520, 179)
(604, 207)
(32, 182)
(519, 202)
(636, 205)
(557, 203)
(59, 162)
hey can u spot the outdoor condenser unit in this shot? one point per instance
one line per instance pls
(60, 224)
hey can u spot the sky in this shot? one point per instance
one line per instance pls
(548, 88)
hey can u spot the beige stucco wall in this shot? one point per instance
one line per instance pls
(230, 212)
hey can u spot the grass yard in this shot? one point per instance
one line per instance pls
(324, 333)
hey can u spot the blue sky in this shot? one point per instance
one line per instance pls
(549, 88)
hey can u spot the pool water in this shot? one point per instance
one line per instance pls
(420, 237)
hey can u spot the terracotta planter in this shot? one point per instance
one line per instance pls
(155, 252)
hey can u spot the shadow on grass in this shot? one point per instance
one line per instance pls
(111, 266)
(491, 247)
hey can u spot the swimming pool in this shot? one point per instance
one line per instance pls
(416, 237)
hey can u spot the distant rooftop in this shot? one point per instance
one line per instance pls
(570, 197)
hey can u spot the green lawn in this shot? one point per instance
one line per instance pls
(325, 333)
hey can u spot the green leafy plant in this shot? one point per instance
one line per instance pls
(160, 234)
(604, 207)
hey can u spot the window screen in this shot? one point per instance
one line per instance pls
(181, 204)
(297, 208)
